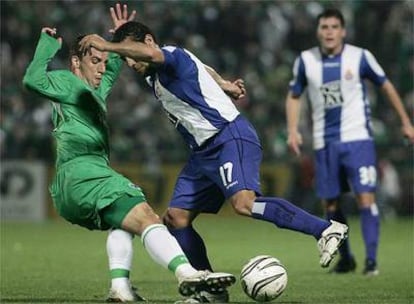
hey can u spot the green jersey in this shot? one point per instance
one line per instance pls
(84, 183)
(79, 111)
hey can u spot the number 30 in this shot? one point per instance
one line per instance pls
(368, 175)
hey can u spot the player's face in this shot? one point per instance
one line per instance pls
(92, 67)
(331, 35)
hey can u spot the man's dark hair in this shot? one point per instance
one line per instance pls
(331, 12)
(133, 29)
(74, 48)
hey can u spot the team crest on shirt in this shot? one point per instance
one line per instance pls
(332, 95)
(349, 75)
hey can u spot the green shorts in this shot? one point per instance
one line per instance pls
(84, 189)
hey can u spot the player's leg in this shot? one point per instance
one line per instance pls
(179, 223)
(119, 248)
(244, 159)
(361, 169)
(136, 216)
(332, 180)
(97, 188)
(284, 214)
(346, 262)
(370, 224)
(193, 193)
(240, 165)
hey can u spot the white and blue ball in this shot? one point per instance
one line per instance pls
(263, 278)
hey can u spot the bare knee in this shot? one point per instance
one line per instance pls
(175, 218)
(242, 202)
(365, 200)
(140, 217)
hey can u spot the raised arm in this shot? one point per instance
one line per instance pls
(36, 77)
(119, 16)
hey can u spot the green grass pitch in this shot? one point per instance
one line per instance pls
(56, 262)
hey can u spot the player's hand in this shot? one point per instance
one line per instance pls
(92, 41)
(51, 31)
(408, 131)
(120, 16)
(235, 89)
(294, 142)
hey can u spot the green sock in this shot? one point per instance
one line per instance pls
(119, 273)
(177, 261)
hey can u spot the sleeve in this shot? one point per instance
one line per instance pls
(38, 79)
(371, 69)
(177, 63)
(170, 58)
(298, 83)
(113, 69)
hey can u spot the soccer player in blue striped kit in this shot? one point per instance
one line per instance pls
(345, 158)
(226, 151)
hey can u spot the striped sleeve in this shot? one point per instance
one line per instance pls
(371, 69)
(298, 83)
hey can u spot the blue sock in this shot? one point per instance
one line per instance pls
(193, 247)
(286, 215)
(345, 248)
(370, 230)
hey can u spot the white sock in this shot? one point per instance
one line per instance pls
(120, 250)
(120, 283)
(165, 250)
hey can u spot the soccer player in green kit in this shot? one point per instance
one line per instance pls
(85, 190)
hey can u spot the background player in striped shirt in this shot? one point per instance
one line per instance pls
(345, 156)
(225, 150)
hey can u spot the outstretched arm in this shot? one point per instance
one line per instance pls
(234, 89)
(138, 51)
(395, 100)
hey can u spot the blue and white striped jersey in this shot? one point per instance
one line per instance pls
(337, 92)
(193, 101)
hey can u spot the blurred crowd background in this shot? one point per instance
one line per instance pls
(255, 40)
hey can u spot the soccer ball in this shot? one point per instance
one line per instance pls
(263, 278)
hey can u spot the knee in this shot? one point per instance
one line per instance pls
(120, 235)
(176, 218)
(140, 217)
(147, 215)
(365, 200)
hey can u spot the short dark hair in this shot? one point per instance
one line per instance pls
(74, 47)
(332, 12)
(136, 30)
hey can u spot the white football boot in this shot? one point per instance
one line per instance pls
(204, 280)
(206, 297)
(331, 238)
(123, 295)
